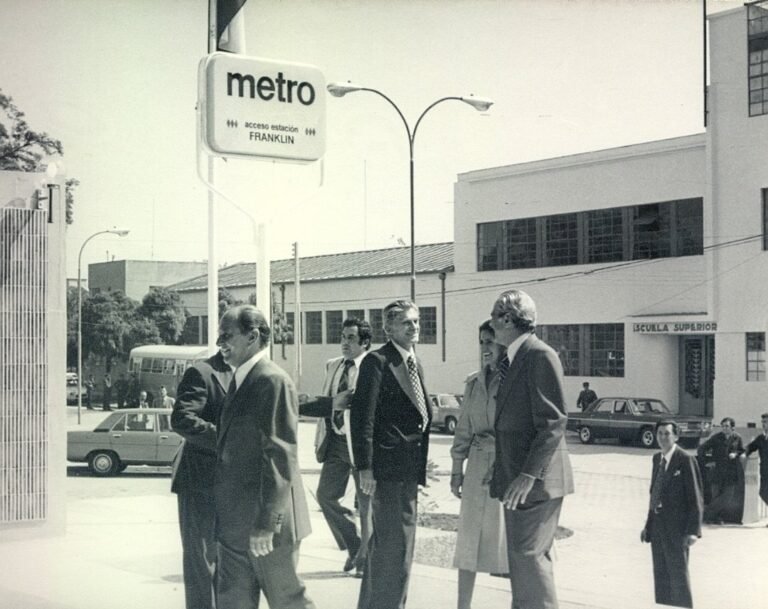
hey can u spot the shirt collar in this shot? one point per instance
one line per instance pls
(405, 354)
(515, 346)
(243, 369)
(668, 455)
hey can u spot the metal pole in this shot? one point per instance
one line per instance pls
(213, 269)
(79, 339)
(413, 233)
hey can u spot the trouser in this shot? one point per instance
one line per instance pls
(390, 552)
(241, 576)
(334, 477)
(672, 584)
(530, 535)
(198, 549)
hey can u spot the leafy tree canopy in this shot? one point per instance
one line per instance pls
(21, 148)
(165, 310)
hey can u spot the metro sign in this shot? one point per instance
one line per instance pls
(256, 107)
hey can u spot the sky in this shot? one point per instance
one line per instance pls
(116, 82)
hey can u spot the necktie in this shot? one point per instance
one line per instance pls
(338, 415)
(413, 374)
(503, 367)
(657, 483)
(232, 387)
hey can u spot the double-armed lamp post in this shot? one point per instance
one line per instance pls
(120, 232)
(478, 103)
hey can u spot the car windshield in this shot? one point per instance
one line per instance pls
(448, 400)
(651, 407)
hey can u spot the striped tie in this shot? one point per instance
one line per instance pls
(338, 415)
(503, 369)
(413, 374)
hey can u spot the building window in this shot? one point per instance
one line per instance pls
(376, 319)
(755, 356)
(313, 321)
(587, 349)
(333, 320)
(765, 218)
(428, 325)
(757, 34)
(637, 232)
(356, 313)
(290, 316)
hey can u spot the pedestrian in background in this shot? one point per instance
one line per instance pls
(164, 400)
(760, 445)
(333, 446)
(199, 399)
(481, 544)
(121, 389)
(721, 459)
(106, 392)
(90, 385)
(532, 472)
(143, 401)
(674, 517)
(586, 396)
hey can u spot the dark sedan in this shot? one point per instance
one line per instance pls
(633, 420)
(132, 436)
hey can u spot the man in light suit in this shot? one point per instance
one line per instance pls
(261, 511)
(333, 445)
(674, 517)
(390, 438)
(200, 396)
(532, 472)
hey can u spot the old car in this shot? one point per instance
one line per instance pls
(131, 436)
(72, 388)
(446, 408)
(633, 420)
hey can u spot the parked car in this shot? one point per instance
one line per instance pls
(446, 408)
(634, 420)
(131, 436)
(72, 388)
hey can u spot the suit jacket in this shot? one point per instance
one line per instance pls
(681, 499)
(200, 396)
(530, 424)
(388, 434)
(258, 484)
(322, 406)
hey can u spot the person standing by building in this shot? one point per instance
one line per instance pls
(121, 389)
(674, 517)
(200, 396)
(720, 456)
(261, 511)
(143, 401)
(586, 396)
(333, 445)
(760, 445)
(164, 400)
(532, 472)
(106, 392)
(90, 385)
(390, 439)
(481, 544)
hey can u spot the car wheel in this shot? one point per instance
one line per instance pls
(103, 463)
(450, 425)
(585, 435)
(647, 437)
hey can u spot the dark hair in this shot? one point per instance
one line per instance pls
(486, 327)
(728, 420)
(664, 423)
(520, 306)
(395, 309)
(585, 384)
(250, 319)
(363, 329)
(764, 415)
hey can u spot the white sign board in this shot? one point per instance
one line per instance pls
(676, 327)
(257, 107)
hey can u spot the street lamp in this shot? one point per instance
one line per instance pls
(340, 89)
(120, 232)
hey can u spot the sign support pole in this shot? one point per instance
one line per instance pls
(213, 269)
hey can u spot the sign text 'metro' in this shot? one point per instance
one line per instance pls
(261, 108)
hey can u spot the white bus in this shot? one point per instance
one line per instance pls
(157, 365)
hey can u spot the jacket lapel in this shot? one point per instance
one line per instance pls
(515, 367)
(230, 404)
(333, 369)
(400, 372)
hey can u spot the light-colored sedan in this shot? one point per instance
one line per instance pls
(131, 436)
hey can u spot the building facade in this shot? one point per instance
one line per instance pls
(135, 278)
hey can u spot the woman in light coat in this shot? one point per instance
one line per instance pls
(481, 541)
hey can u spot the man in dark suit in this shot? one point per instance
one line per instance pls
(586, 396)
(390, 438)
(261, 511)
(532, 472)
(333, 445)
(760, 445)
(200, 396)
(674, 517)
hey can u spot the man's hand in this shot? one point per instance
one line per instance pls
(517, 491)
(261, 542)
(689, 540)
(731, 455)
(457, 482)
(367, 481)
(644, 537)
(342, 400)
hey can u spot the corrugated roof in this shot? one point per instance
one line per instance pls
(430, 258)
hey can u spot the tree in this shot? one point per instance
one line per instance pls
(21, 148)
(72, 326)
(110, 326)
(165, 310)
(226, 300)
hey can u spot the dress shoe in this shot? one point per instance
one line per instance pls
(359, 572)
(349, 564)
